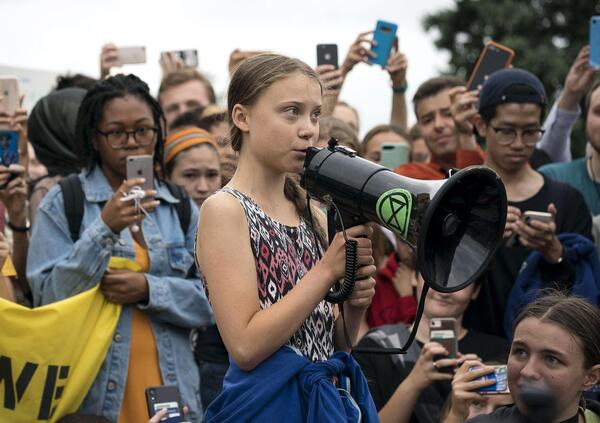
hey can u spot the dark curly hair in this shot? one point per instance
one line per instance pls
(92, 108)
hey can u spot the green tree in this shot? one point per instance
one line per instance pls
(546, 36)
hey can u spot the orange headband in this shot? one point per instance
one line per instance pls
(182, 140)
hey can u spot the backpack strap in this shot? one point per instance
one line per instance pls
(183, 207)
(73, 198)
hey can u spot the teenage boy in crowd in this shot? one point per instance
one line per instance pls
(184, 90)
(511, 108)
(443, 109)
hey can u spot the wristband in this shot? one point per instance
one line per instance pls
(401, 89)
(21, 229)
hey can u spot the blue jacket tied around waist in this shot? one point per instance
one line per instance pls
(581, 252)
(289, 387)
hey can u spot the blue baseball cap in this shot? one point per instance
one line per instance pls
(512, 86)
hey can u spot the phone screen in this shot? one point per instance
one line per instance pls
(9, 148)
(173, 412)
(493, 59)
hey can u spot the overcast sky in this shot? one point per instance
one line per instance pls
(66, 35)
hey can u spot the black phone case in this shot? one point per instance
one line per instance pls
(327, 54)
(162, 394)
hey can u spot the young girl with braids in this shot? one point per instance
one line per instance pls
(163, 299)
(259, 255)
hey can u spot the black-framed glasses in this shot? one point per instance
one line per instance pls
(117, 138)
(507, 136)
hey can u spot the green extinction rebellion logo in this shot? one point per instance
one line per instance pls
(393, 209)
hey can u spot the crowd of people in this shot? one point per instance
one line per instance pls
(228, 267)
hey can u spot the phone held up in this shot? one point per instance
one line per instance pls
(443, 331)
(493, 57)
(131, 55)
(394, 155)
(384, 36)
(188, 57)
(159, 397)
(9, 96)
(595, 41)
(501, 385)
(141, 166)
(327, 54)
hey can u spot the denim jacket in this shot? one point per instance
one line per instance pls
(57, 269)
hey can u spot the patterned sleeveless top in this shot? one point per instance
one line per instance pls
(283, 255)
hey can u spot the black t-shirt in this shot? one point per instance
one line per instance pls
(486, 313)
(383, 376)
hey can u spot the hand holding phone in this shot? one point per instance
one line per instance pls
(383, 37)
(185, 58)
(500, 377)
(528, 217)
(165, 397)
(493, 57)
(443, 331)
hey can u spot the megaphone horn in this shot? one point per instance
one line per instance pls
(456, 224)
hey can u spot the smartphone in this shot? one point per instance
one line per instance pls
(443, 331)
(9, 91)
(394, 155)
(384, 36)
(159, 397)
(9, 148)
(595, 41)
(501, 385)
(530, 215)
(141, 166)
(493, 57)
(188, 57)
(131, 55)
(327, 54)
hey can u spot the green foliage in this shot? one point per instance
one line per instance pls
(545, 34)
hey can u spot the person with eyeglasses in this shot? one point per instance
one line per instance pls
(511, 108)
(159, 289)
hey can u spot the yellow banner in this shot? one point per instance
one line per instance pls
(50, 355)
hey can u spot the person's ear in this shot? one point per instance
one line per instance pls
(480, 125)
(239, 117)
(592, 377)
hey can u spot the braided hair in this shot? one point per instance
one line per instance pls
(92, 108)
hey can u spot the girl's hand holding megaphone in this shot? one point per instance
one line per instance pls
(335, 259)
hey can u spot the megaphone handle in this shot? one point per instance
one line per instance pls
(339, 295)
